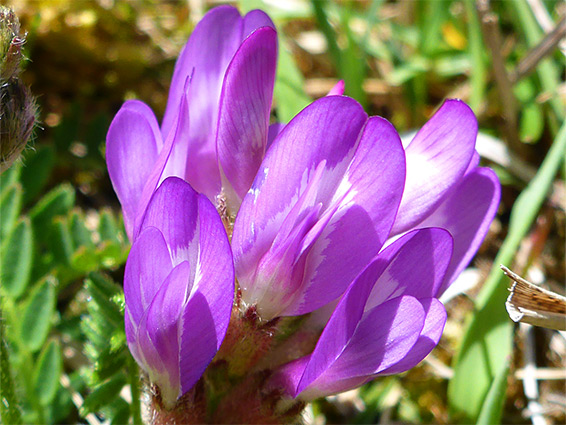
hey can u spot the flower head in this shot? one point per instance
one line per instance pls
(389, 318)
(336, 187)
(179, 286)
(215, 128)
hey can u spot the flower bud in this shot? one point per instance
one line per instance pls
(18, 108)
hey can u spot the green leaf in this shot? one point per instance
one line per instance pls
(9, 407)
(102, 290)
(110, 362)
(478, 78)
(487, 341)
(353, 64)
(60, 241)
(548, 71)
(62, 405)
(121, 414)
(289, 95)
(9, 177)
(10, 206)
(495, 399)
(17, 256)
(36, 171)
(103, 394)
(47, 372)
(107, 226)
(80, 234)
(531, 123)
(37, 315)
(58, 201)
(104, 284)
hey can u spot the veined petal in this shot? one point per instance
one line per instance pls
(327, 131)
(255, 19)
(207, 53)
(160, 166)
(132, 148)
(430, 335)
(176, 164)
(417, 264)
(382, 338)
(141, 108)
(273, 132)
(368, 197)
(159, 332)
(467, 214)
(147, 267)
(206, 56)
(199, 339)
(437, 159)
(173, 210)
(194, 232)
(214, 279)
(245, 105)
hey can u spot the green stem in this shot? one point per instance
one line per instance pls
(133, 375)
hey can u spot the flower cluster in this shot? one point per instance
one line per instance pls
(331, 217)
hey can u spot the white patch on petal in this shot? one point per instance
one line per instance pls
(198, 277)
(378, 294)
(180, 255)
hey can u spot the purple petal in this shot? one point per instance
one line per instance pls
(337, 90)
(467, 214)
(367, 211)
(327, 131)
(207, 314)
(437, 158)
(199, 340)
(194, 232)
(131, 329)
(132, 147)
(177, 160)
(159, 331)
(325, 388)
(383, 337)
(173, 210)
(428, 339)
(147, 267)
(417, 264)
(288, 376)
(245, 105)
(215, 277)
(158, 172)
(255, 19)
(273, 132)
(207, 53)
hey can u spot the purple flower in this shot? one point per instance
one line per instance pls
(179, 286)
(389, 318)
(387, 321)
(215, 128)
(335, 187)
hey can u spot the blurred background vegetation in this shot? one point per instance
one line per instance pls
(400, 59)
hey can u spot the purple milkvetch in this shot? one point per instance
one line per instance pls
(338, 203)
(316, 214)
(336, 186)
(216, 125)
(179, 286)
(387, 321)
